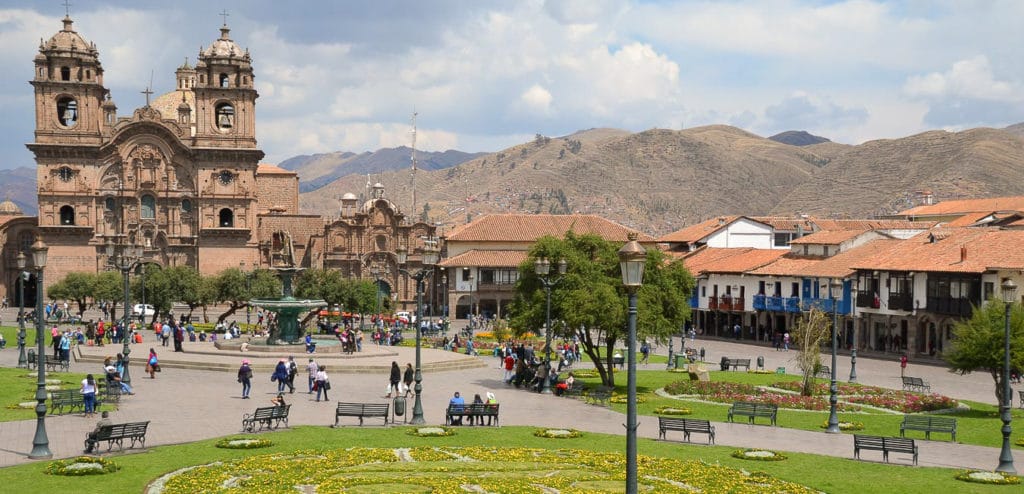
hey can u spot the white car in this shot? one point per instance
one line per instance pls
(405, 317)
(140, 310)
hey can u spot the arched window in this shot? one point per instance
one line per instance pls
(186, 206)
(148, 210)
(65, 74)
(88, 74)
(224, 80)
(225, 116)
(109, 204)
(67, 111)
(67, 215)
(227, 218)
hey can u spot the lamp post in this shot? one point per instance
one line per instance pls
(1006, 455)
(248, 291)
(444, 305)
(833, 420)
(125, 257)
(375, 272)
(632, 258)
(429, 259)
(40, 443)
(22, 261)
(542, 266)
(853, 318)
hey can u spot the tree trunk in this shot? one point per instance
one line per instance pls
(587, 343)
(231, 310)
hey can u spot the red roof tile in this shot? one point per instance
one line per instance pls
(693, 233)
(530, 227)
(265, 169)
(734, 260)
(1014, 203)
(487, 258)
(965, 250)
(828, 237)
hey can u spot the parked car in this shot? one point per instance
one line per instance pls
(405, 317)
(143, 311)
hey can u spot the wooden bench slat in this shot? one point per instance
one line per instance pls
(472, 410)
(753, 410)
(686, 426)
(117, 433)
(928, 424)
(884, 444)
(270, 417)
(361, 410)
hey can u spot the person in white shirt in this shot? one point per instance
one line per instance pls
(312, 368)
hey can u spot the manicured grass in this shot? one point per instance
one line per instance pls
(137, 470)
(19, 385)
(980, 425)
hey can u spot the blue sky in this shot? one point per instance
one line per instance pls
(485, 75)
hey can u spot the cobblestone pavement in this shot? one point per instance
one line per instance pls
(185, 404)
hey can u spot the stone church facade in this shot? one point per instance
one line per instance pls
(182, 178)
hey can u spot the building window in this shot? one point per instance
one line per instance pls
(225, 116)
(186, 206)
(826, 250)
(227, 218)
(65, 74)
(25, 241)
(67, 215)
(990, 290)
(465, 274)
(67, 111)
(109, 204)
(224, 80)
(148, 209)
(782, 239)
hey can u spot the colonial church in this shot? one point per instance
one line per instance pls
(181, 177)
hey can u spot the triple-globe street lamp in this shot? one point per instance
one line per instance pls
(833, 420)
(125, 257)
(429, 259)
(40, 443)
(542, 266)
(1009, 289)
(22, 262)
(632, 258)
(853, 317)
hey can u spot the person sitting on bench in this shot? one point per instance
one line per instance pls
(90, 440)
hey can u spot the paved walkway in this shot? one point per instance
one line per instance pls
(186, 405)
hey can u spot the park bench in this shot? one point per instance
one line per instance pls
(928, 424)
(686, 426)
(472, 411)
(618, 361)
(576, 391)
(825, 371)
(736, 363)
(884, 444)
(916, 384)
(49, 362)
(361, 410)
(601, 395)
(70, 398)
(752, 410)
(107, 393)
(117, 433)
(269, 417)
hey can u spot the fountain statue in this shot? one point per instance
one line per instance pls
(286, 330)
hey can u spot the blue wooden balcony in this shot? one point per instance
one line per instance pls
(760, 302)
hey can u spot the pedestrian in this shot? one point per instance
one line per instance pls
(89, 394)
(903, 365)
(292, 371)
(152, 365)
(90, 439)
(408, 378)
(785, 341)
(394, 379)
(280, 375)
(245, 377)
(645, 351)
(311, 369)
(323, 383)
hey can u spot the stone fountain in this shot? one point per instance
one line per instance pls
(286, 331)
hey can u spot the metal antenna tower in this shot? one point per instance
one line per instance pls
(412, 175)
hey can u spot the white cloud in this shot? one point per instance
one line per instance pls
(971, 78)
(537, 99)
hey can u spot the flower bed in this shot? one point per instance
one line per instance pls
(557, 433)
(846, 426)
(82, 465)
(672, 411)
(438, 431)
(726, 392)
(243, 443)
(585, 374)
(625, 399)
(905, 402)
(464, 469)
(822, 388)
(758, 455)
(982, 477)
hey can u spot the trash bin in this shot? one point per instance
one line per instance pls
(681, 361)
(760, 362)
(398, 409)
(702, 354)
(724, 364)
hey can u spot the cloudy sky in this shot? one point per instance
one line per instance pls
(485, 75)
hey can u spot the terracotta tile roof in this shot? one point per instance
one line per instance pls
(785, 223)
(969, 219)
(265, 169)
(1015, 203)
(487, 258)
(782, 223)
(788, 265)
(530, 227)
(837, 266)
(735, 260)
(828, 237)
(701, 230)
(964, 250)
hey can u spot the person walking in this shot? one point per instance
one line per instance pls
(280, 375)
(292, 370)
(323, 383)
(152, 364)
(395, 378)
(245, 377)
(89, 394)
(311, 370)
(408, 378)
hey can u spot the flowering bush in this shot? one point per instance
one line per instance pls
(439, 431)
(890, 399)
(726, 392)
(82, 465)
(846, 426)
(557, 433)
(758, 455)
(982, 477)
(625, 399)
(672, 411)
(243, 443)
(462, 469)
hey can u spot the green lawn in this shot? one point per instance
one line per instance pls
(815, 471)
(19, 385)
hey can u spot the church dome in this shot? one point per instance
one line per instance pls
(67, 40)
(223, 46)
(170, 103)
(8, 207)
(349, 197)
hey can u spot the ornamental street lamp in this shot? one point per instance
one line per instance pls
(429, 258)
(853, 317)
(833, 420)
(22, 261)
(1006, 455)
(444, 305)
(40, 443)
(542, 266)
(125, 257)
(632, 258)
(248, 291)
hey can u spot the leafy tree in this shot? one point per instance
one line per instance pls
(811, 330)
(109, 286)
(159, 287)
(979, 342)
(231, 288)
(591, 301)
(361, 298)
(77, 287)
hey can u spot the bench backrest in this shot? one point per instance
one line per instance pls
(929, 421)
(127, 429)
(868, 441)
(739, 361)
(65, 394)
(281, 412)
(899, 444)
(690, 424)
(264, 413)
(361, 408)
